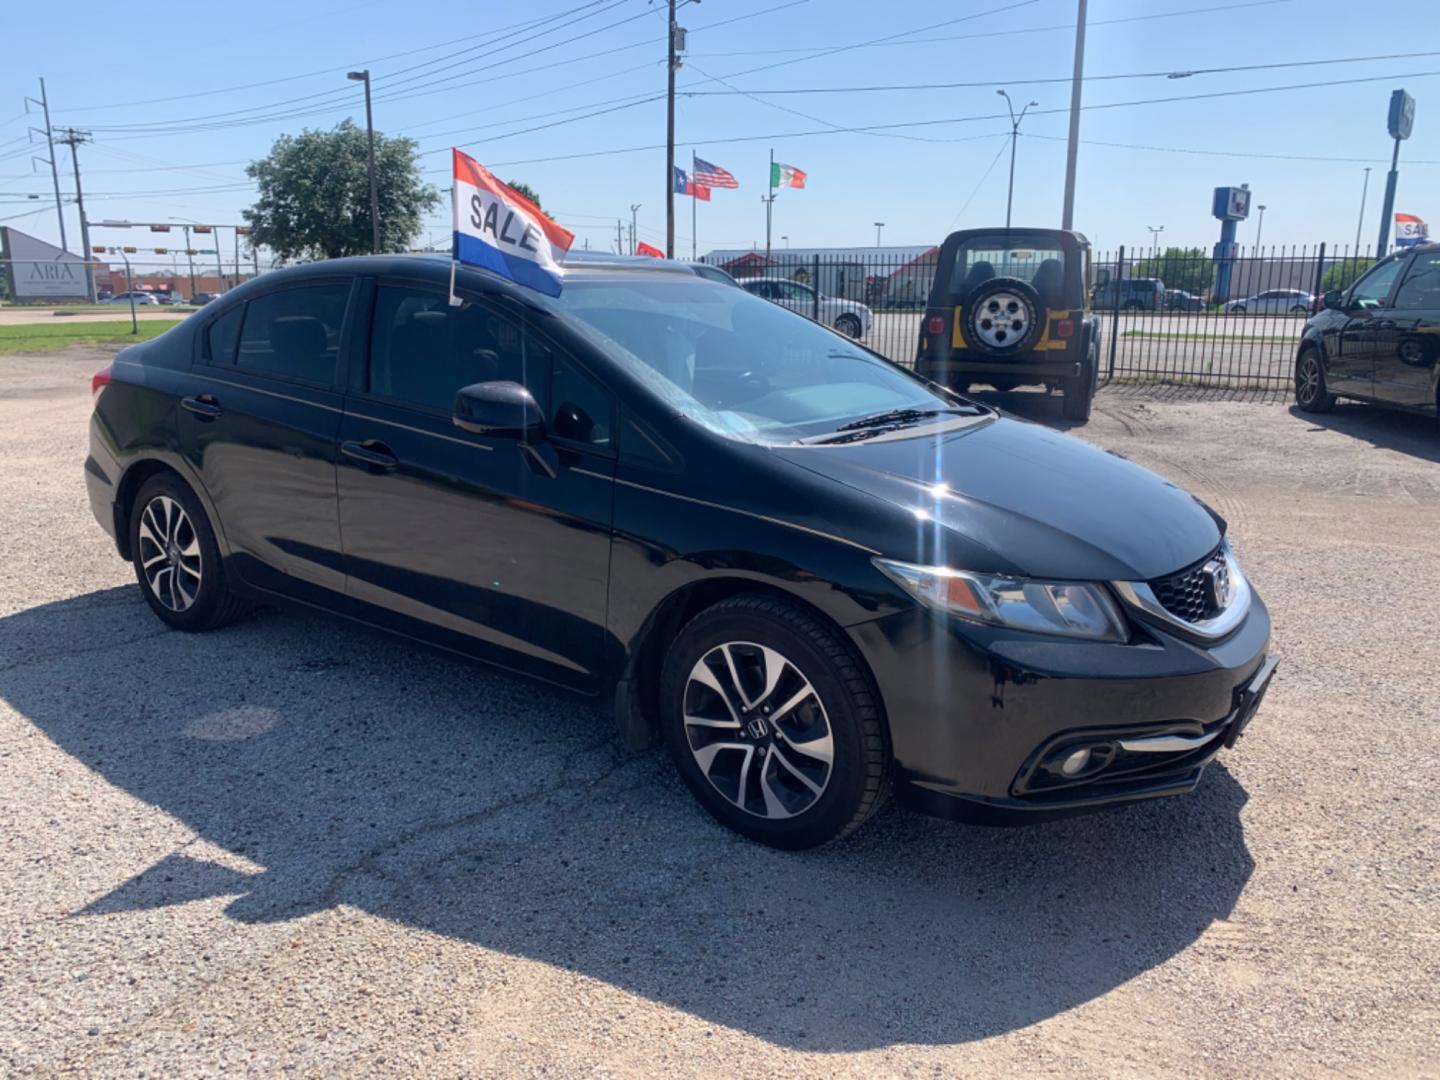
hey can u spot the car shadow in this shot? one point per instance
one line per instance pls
(1410, 433)
(351, 768)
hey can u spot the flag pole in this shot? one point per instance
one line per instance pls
(455, 301)
(770, 204)
(694, 198)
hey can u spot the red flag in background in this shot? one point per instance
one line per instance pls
(643, 248)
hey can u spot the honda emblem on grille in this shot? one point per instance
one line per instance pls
(1217, 583)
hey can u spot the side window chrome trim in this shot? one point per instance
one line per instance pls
(271, 393)
(417, 431)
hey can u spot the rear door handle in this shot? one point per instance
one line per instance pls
(371, 452)
(202, 405)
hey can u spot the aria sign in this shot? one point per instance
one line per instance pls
(38, 270)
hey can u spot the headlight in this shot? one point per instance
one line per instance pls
(1073, 609)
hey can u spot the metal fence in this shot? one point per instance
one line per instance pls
(1172, 319)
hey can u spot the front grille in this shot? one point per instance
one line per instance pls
(1189, 595)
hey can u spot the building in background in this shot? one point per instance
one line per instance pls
(895, 276)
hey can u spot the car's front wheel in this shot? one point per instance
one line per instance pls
(177, 561)
(773, 723)
(1310, 393)
(849, 325)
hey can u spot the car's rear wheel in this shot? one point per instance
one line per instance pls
(773, 723)
(177, 561)
(849, 325)
(1299, 309)
(1310, 393)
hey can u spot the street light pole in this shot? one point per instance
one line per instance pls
(1259, 227)
(634, 217)
(364, 76)
(878, 226)
(1014, 137)
(1155, 231)
(1067, 216)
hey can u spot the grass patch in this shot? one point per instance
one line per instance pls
(53, 338)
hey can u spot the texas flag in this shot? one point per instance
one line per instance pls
(1410, 230)
(498, 229)
(685, 186)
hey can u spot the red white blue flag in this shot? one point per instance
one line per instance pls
(498, 229)
(1410, 230)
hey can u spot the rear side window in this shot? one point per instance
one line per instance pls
(1421, 287)
(422, 350)
(223, 335)
(295, 333)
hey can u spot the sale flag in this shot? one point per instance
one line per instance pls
(498, 229)
(1410, 230)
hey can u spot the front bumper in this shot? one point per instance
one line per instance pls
(979, 716)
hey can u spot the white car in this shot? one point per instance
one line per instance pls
(1274, 302)
(124, 298)
(850, 318)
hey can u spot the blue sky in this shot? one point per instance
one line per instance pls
(1302, 151)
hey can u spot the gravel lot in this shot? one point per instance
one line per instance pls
(294, 847)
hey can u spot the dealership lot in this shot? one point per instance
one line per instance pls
(299, 845)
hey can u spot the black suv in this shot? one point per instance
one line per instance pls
(1007, 307)
(1378, 340)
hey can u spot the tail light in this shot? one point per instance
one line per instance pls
(1065, 328)
(936, 325)
(100, 380)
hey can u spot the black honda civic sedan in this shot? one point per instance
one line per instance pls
(818, 578)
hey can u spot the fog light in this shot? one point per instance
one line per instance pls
(1075, 762)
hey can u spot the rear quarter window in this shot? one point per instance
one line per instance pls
(222, 336)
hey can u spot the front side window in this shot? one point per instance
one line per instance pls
(1373, 290)
(423, 351)
(794, 292)
(1421, 287)
(222, 336)
(736, 364)
(295, 333)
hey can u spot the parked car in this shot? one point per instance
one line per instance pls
(851, 318)
(1273, 302)
(1180, 300)
(124, 298)
(1378, 340)
(818, 577)
(200, 299)
(1129, 294)
(1007, 307)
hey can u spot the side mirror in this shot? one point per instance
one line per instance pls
(501, 410)
(1335, 300)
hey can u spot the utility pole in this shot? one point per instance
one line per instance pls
(1014, 137)
(1072, 148)
(676, 39)
(73, 139)
(634, 210)
(1364, 191)
(1259, 228)
(769, 201)
(44, 103)
(878, 226)
(619, 237)
(364, 76)
(190, 258)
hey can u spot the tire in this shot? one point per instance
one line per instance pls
(1239, 309)
(760, 783)
(849, 325)
(169, 530)
(1004, 317)
(1310, 393)
(1079, 391)
(1299, 309)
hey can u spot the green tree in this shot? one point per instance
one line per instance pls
(314, 200)
(1191, 269)
(1340, 274)
(531, 194)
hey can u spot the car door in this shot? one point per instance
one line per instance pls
(484, 544)
(1350, 366)
(796, 297)
(1407, 337)
(260, 430)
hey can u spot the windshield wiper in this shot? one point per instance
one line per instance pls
(894, 416)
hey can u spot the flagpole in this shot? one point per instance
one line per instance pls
(770, 204)
(694, 198)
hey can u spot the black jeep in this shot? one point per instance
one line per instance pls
(1008, 308)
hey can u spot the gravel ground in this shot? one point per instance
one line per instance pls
(294, 847)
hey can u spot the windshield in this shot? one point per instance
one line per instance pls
(740, 365)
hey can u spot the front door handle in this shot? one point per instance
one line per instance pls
(371, 452)
(202, 405)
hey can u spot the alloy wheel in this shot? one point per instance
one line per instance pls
(758, 731)
(1307, 380)
(1003, 320)
(170, 553)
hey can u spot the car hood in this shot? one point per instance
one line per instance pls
(1008, 496)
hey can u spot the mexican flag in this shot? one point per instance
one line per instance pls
(786, 176)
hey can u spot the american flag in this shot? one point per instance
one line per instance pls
(713, 176)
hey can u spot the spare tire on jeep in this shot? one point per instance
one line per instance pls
(1004, 317)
